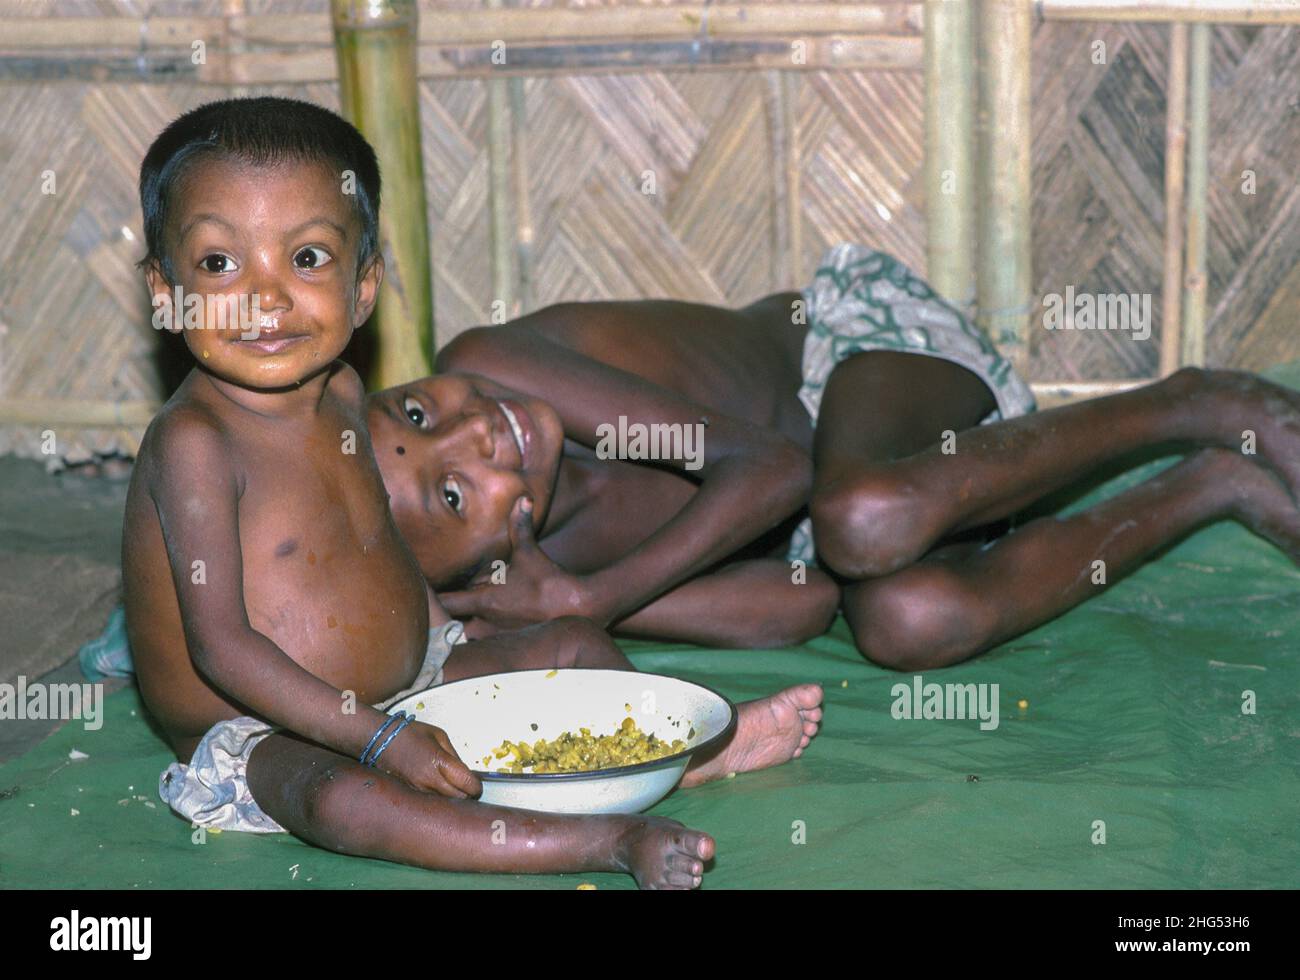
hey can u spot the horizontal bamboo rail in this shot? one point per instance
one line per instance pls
(1049, 394)
(607, 57)
(289, 49)
(49, 412)
(482, 26)
(1257, 12)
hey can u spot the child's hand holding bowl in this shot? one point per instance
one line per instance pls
(422, 756)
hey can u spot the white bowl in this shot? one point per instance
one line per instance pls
(479, 713)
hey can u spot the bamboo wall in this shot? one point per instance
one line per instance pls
(757, 171)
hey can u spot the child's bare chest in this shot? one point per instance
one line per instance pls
(622, 506)
(326, 574)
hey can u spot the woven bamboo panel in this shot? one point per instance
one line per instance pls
(1099, 200)
(74, 316)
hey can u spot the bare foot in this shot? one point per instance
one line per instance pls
(769, 731)
(664, 854)
(1271, 412)
(1260, 502)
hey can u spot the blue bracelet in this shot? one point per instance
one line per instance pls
(407, 718)
(375, 738)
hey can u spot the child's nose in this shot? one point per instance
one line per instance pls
(271, 296)
(474, 430)
(270, 293)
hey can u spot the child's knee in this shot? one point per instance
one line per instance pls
(869, 525)
(924, 617)
(335, 801)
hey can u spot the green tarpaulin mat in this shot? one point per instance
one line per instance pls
(1158, 747)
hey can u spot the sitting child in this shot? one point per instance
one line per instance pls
(272, 607)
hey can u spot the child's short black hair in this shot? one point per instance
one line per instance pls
(266, 130)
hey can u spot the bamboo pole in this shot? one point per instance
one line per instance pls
(790, 84)
(523, 199)
(77, 413)
(608, 56)
(949, 150)
(780, 100)
(777, 139)
(375, 45)
(1188, 11)
(233, 45)
(446, 26)
(501, 240)
(1049, 394)
(1171, 332)
(1004, 265)
(1193, 348)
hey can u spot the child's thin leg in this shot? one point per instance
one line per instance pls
(338, 804)
(956, 603)
(874, 514)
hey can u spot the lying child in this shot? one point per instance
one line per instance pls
(272, 607)
(862, 420)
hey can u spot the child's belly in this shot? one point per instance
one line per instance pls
(353, 613)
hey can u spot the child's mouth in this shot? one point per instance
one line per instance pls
(513, 416)
(273, 343)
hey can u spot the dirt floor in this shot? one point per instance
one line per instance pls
(60, 577)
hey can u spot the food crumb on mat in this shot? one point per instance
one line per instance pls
(586, 886)
(1022, 704)
(76, 812)
(77, 754)
(844, 683)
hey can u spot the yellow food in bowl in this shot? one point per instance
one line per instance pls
(585, 752)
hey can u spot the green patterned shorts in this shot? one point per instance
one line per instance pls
(864, 300)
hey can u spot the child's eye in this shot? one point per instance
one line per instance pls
(217, 264)
(311, 257)
(415, 412)
(451, 494)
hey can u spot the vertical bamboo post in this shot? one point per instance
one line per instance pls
(793, 212)
(777, 138)
(949, 150)
(523, 201)
(1175, 153)
(502, 239)
(1193, 350)
(233, 44)
(780, 98)
(375, 41)
(1004, 272)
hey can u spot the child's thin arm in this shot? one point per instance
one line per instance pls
(750, 478)
(761, 603)
(196, 492)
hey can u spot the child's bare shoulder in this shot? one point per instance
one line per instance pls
(185, 436)
(346, 385)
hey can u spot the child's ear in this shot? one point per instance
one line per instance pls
(165, 317)
(368, 289)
